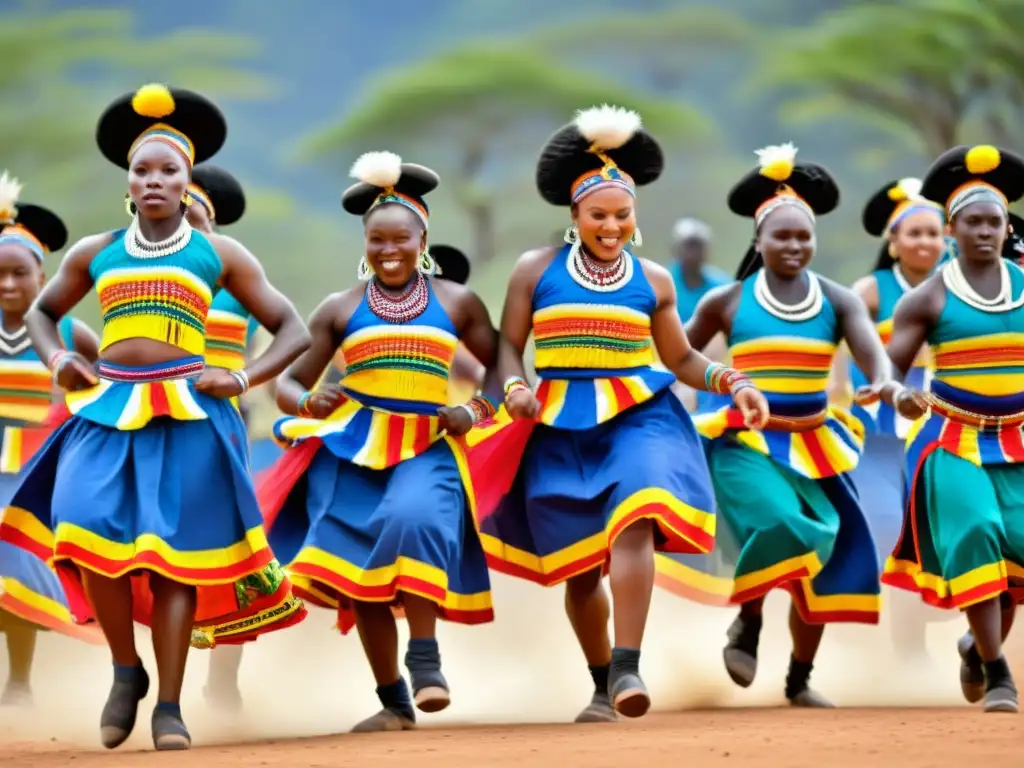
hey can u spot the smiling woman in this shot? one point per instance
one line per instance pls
(133, 523)
(600, 465)
(371, 505)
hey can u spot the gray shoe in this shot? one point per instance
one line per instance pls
(599, 710)
(972, 670)
(169, 732)
(1002, 698)
(810, 698)
(629, 695)
(740, 653)
(385, 720)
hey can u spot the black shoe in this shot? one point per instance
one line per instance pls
(972, 669)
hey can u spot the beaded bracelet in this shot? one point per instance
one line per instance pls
(58, 359)
(514, 384)
(242, 379)
(723, 380)
(301, 405)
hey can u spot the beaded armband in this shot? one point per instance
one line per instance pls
(722, 380)
(480, 409)
(302, 405)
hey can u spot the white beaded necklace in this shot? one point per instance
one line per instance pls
(136, 244)
(901, 279)
(803, 310)
(619, 272)
(957, 284)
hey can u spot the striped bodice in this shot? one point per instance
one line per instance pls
(594, 355)
(396, 378)
(402, 368)
(880, 417)
(229, 330)
(977, 408)
(26, 391)
(165, 298)
(789, 361)
(979, 356)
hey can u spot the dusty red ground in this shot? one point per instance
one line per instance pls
(761, 738)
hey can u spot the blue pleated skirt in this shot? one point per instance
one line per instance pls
(348, 533)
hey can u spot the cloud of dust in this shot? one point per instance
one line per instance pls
(525, 667)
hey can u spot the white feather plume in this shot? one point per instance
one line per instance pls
(781, 153)
(911, 188)
(379, 169)
(607, 127)
(10, 189)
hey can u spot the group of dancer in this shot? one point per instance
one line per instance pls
(129, 496)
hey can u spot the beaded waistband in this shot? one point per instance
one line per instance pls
(182, 368)
(796, 423)
(980, 420)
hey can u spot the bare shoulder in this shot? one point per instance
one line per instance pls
(837, 293)
(225, 245)
(83, 251)
(655, 273)
(532, 263)
(925, 300)
(865, 287)
(722, 297)
(453, 293)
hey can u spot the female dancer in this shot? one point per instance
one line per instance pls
(790, 510)
(963, 539)
(219, 201)
(912, 229)
(118, 484)
(31, 596)
(383, 512)
(613, 470)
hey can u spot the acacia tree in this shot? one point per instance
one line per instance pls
(925, 71)
(660, 49)
(480, 113)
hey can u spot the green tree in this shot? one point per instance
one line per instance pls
(479, 114)
(929, 72)
(660, 49)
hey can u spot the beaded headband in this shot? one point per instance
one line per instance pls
(784, 195)
(609, 175)
(171, 137)
(389, 195)
(975, 191)
(908, 207)
(15, 233)
(198, 194)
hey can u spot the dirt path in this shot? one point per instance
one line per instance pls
(758, 738)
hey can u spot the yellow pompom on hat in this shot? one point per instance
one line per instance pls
(153, 100)
(984, 165)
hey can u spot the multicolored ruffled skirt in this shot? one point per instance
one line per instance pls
(368, 505)
(150, 476)
(789, 519)
(552, 500)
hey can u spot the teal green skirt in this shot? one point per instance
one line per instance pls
(963, 542)
(780, 529)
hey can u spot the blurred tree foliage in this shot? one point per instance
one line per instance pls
(59, 70)
(478, 114)
(932, 73)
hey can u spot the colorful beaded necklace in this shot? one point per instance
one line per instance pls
(400, 307)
